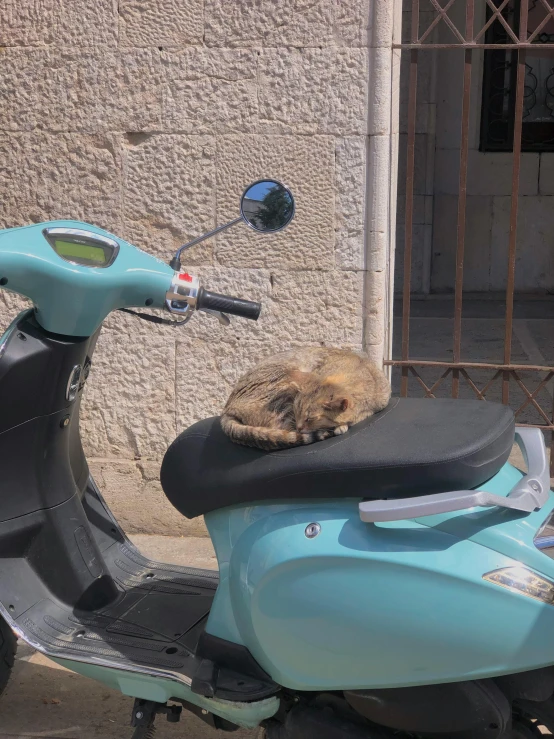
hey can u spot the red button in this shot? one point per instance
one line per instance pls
(186, 277)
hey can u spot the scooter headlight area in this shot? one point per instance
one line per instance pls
(524, 581)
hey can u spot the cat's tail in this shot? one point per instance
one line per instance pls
(261, 437)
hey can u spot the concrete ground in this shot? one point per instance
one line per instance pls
(44, 700)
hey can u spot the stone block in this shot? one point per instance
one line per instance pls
(296, 307)
(488, 173)
(382, 20)
(46, 176)
(306, 165)
(169, 195)
(534, 271)
(378, 201)
(129, 407)
(58, 21)
(374, 314)
(289, 23)
(207, 90)
(395, 100)
(309, 91)
(84, 90)
(160, 22)
(350, 189)
(133, 492)
(10, 305)
(315, 306)
(381, 90)
(477, 250)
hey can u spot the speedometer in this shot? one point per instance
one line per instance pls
(85, 248)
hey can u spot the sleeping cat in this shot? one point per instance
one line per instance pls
(303, 395)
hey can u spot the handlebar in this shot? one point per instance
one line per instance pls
(206, 300)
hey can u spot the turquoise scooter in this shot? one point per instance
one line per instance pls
(397, 581)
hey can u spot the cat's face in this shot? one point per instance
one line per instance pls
(320, 407)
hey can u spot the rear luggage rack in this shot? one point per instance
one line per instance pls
(528, 494)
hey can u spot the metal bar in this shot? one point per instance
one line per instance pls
(530, 397)
(536, 391)
(428, 393)
(466, 365)
(518, 122)
(410, 172)
(415, 21)
(480, 395)
(534, 426)
(436, 20)
(444, 16)
(496, 15)
(462, 201)
(543, 23)
(490, 383)
(513, 47)
(208, 235)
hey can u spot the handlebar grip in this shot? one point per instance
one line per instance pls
(207, 300)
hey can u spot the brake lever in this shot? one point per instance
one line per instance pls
(223, 318)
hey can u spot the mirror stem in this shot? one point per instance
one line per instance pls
(175, 263)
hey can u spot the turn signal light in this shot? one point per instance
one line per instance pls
(523, 581)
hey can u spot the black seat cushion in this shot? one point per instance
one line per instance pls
(413, 447)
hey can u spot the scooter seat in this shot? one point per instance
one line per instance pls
(413, 447)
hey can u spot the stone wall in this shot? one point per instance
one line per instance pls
(148, 117)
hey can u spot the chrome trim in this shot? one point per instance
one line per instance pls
(312, 530)
(5, 338)
(205, 236)
(184, 293)
(274, 230)
(85, 237)
(74, 383)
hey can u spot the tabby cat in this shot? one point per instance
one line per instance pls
(303, 395)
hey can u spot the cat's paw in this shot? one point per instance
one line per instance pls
(323, 434)
(306, 438)
(340, 430)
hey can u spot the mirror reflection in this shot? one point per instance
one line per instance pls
(267, 205)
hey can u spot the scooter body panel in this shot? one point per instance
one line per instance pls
(32, 268)
(379, 606)
(160, 690)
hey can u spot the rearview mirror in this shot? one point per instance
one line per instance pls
(267, 206)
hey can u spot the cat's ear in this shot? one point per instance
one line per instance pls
(337, 404)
